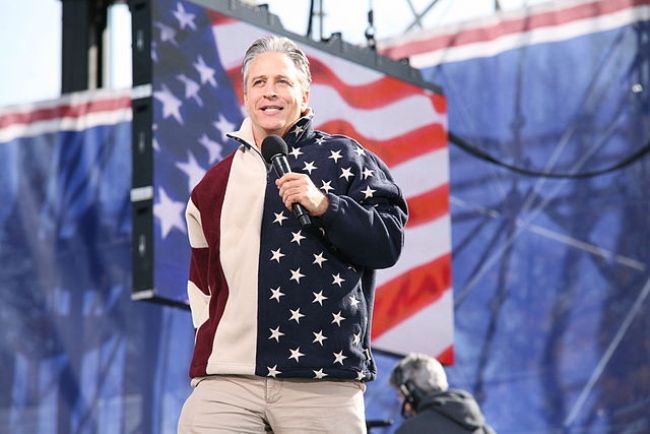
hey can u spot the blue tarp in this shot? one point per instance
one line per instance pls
(551, 275)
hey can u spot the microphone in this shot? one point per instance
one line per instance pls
(274, 151)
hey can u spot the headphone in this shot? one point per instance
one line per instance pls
(412, 396)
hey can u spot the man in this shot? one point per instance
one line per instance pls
(282, 312)
(429, 403)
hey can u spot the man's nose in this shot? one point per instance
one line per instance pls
(269, 91)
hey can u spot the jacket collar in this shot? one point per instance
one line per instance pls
(300, 130)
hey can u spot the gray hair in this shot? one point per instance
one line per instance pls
(278, 44)
(424, 372)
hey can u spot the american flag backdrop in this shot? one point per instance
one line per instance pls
(196, 88)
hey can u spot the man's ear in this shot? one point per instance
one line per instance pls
(305, 100)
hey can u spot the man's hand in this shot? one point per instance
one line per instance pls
(298, 188)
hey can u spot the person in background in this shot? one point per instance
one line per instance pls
(282, 310)
(429, 405)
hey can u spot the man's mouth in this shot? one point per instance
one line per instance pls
(270, 109)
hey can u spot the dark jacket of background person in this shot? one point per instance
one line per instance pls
(450, 412)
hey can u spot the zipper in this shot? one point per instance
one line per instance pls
(249, 147)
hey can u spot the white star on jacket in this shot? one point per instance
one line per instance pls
(319, 297)
(276, 294)
(319, 337)
(337, 279)
(309, 167)
(296, 275)
(279, 217)
(326, 187)
(319, 259)
(337, 318)
(276, 333)
(297, 237)
(346, 173)
(295, 315)
(367, 173)
(295, 152)
(276, 255)
(339, 357)
(335, 155)
(296, 354)
(368, 192)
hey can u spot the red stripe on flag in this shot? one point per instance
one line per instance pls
(428, 206)
(514, 26)
(396, 149)
(447, 356)
(219, 19)
(63, 111)
(408, 293)
(375, 94)
(440, 103)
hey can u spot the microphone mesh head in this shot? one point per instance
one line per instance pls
(273, 145)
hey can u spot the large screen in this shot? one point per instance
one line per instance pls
(187, 60)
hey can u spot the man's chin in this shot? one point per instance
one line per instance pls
(274, 129)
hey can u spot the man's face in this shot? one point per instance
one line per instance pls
(407, 409)
(274, 96)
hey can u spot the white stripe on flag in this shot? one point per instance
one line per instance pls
(405, 115)
(422, 244)
(349, 73)
(429, 331)
(233, 39)
(423, 173)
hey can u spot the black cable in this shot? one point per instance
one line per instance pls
(370, 30)
(310, 22)
(478, 153)
(322, 18)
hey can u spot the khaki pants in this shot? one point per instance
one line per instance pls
(246, 404)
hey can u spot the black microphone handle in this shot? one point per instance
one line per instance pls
(303, 217)
(281, 167)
